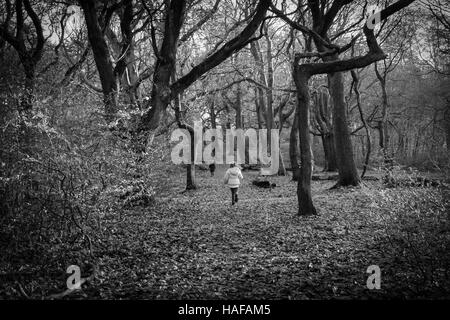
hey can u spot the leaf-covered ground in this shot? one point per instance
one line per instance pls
(195, 245)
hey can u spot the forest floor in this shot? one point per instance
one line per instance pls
(196, 245)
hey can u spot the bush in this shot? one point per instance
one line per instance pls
(62, 170)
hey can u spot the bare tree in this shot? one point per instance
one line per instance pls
(29, 55)
(97, 25)
(332, 66)
(163, 91)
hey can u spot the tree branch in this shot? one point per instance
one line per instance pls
(224, 52)
(200, 23)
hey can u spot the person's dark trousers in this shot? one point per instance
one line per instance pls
(212, 168)
(234, 195)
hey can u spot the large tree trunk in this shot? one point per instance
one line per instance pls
(306, 206)
(294, 149)
(190, 178)
(348, 174)
(102, 58)
(164, 69)
(190, 168)
(329, 152)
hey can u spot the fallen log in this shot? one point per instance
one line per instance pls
(263, 184)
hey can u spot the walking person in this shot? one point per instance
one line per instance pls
(232, 179)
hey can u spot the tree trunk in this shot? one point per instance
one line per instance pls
(164, 69)
(29, 53)
(348, 174)
(306, 206)
(281, 166)
(383, 140)
(363, 120)
(382, 125)
(329, 152)
(259, 112)
(294, 149)
(238, 108)
(102, 58)
(190, 168)
(269, 93)
(212, 115)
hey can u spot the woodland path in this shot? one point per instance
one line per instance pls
(195, 245)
